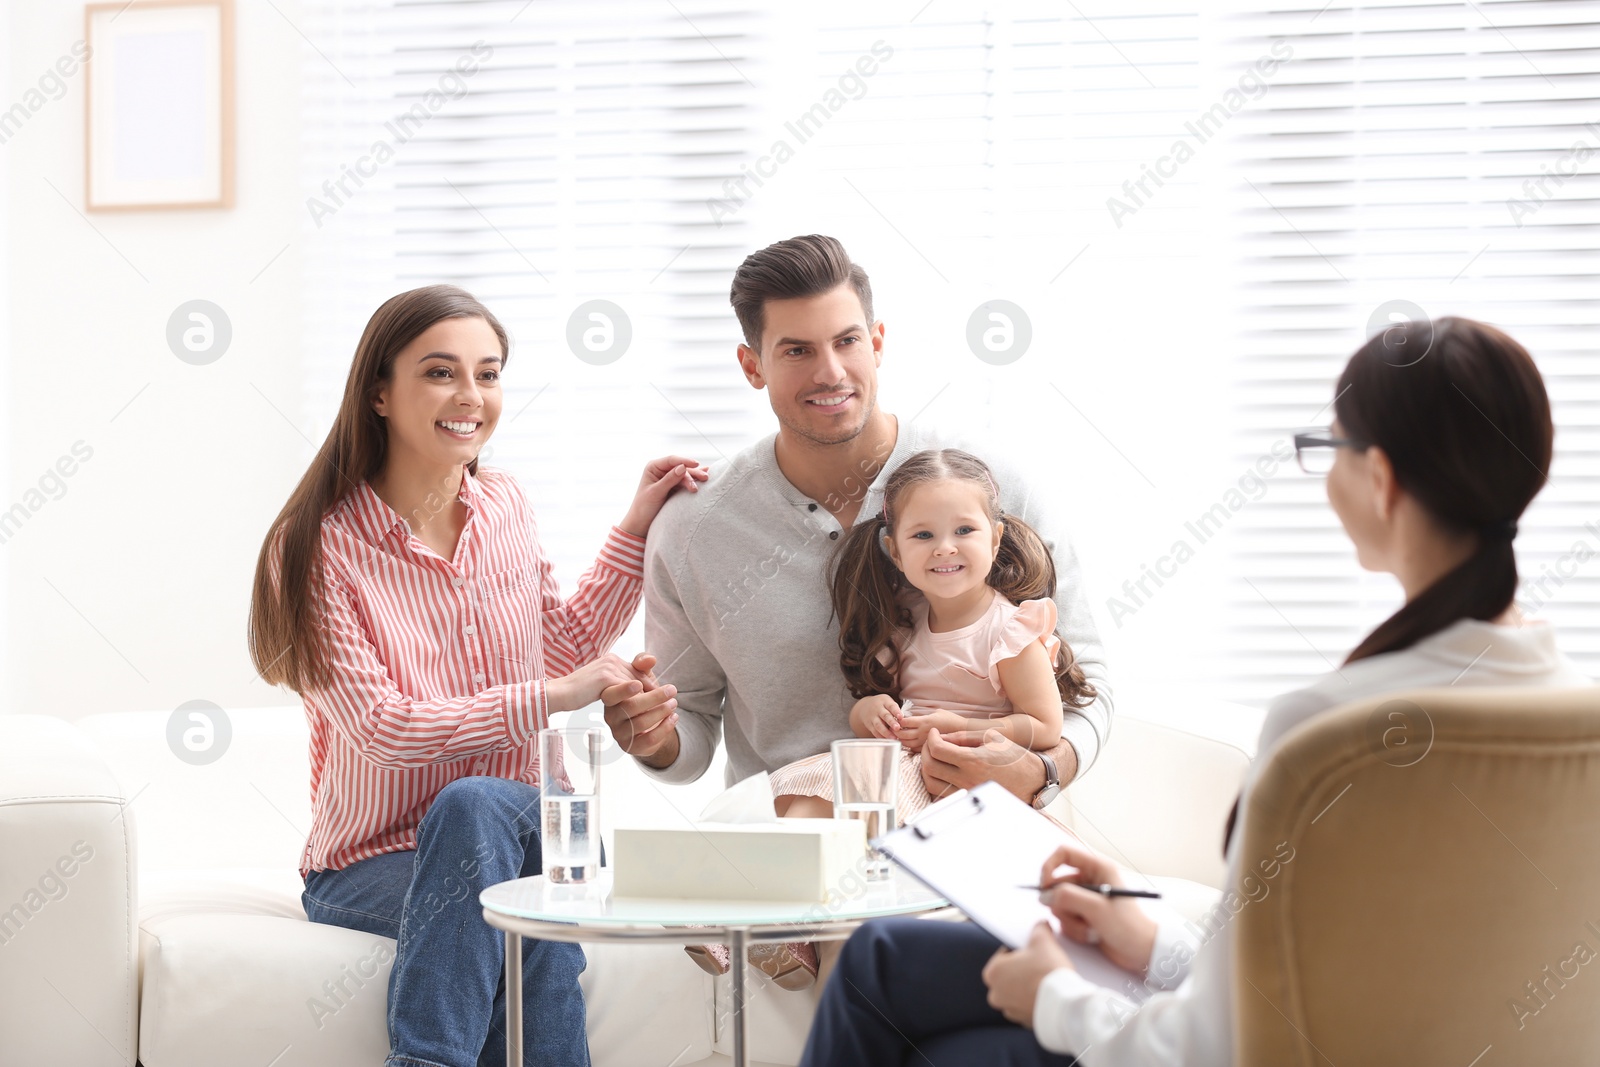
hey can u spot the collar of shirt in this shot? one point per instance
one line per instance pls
(374, 520)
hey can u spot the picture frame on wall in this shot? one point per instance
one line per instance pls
(159, 121)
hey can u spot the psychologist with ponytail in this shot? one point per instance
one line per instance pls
(402, 592)
(1429, 464)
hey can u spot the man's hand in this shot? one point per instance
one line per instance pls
(1014, 978)
(642, 715)
(967, 758)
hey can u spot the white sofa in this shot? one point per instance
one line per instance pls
(152, 911)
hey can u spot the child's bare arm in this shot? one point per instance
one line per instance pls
(1030, 683)
(1031, 686)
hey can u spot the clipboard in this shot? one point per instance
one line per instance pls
(976, 848)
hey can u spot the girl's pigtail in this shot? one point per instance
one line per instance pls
(1024, 570)
(865, 586)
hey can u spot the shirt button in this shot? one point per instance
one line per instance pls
(811, 507)
(478, 678)
(470, 630)
(833, 535)
(458, 582)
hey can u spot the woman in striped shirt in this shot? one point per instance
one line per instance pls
(403, 593)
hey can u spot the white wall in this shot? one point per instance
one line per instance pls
(130, 589)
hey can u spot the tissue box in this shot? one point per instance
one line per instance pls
(790, 859)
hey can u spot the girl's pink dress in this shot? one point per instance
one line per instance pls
(956, 671)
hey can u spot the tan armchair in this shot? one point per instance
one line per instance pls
(1442, 903)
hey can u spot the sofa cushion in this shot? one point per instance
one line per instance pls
(233, 973)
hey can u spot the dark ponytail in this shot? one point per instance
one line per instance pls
(1468, 431)
(1024, 570)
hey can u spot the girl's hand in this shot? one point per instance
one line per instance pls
(661, 478)
(913, 732)
(875, 716)
(1118, 924)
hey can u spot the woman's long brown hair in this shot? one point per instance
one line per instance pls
(1467, 428)
(286, 641)
(867, 586)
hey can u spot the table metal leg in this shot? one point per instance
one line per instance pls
(736, 949)
(513, 1000)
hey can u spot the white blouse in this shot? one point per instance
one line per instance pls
(1185, 1014)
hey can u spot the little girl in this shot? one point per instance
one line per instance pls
(946, 623)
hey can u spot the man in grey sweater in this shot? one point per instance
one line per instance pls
(737, 610)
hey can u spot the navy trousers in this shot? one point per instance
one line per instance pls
(910, 992)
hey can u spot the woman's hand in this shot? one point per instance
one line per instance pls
(1117, 924)
(914, 727)
(875, 716)
(661, 478)
(583, 686)
(1014, 978)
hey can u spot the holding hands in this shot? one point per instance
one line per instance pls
(586, 684)
(642, 714)
(662, 477)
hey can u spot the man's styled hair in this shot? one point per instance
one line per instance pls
(801, 266)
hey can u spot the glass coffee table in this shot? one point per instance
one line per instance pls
(532, 907)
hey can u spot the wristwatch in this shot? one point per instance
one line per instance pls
(1052, 783)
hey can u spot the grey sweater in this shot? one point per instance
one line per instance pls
(737, 610)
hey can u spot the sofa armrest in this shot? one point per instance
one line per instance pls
(68, 912)
(1157, 799)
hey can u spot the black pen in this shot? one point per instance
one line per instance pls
(1104, 890)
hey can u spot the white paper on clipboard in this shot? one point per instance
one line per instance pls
(976, 849)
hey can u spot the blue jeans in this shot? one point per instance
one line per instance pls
(910, 992)
(447, 990)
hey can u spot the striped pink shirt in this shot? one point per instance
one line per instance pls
(440, 664)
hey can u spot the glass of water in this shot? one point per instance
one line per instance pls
(569, 803)
(865, 777)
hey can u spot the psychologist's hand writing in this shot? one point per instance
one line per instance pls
(586, 684)
(1117, 924)
(642, 714)
(662, 477)
(1013, 978)
(965, 758)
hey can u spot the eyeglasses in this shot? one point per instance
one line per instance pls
(1314, 449)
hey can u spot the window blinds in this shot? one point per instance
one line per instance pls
(1439, 154)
